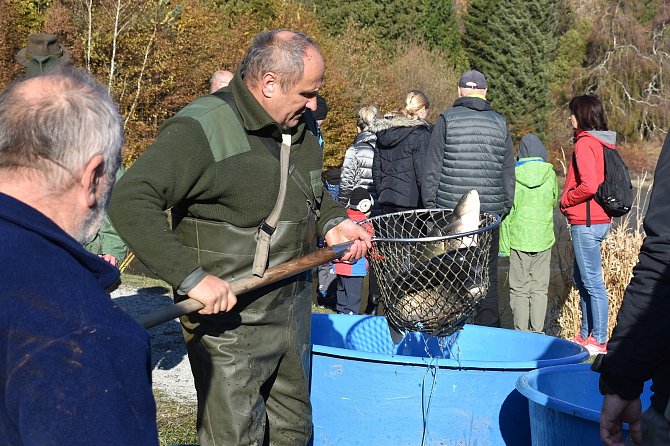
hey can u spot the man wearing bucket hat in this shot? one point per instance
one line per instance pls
(471, 148)
(237, 206)
(42, 53)
(639, 349)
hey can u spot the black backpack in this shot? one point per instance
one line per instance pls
(615, 194)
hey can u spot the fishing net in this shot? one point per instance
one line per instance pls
(430, 278)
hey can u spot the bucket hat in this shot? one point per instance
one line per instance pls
(42, 53)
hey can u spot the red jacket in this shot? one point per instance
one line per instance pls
(582, 183)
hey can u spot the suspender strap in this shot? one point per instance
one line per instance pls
(273, 147)
(268, 226)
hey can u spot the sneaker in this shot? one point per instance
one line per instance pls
(594, 347)
(579, 340)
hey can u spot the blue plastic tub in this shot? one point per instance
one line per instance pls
(564, 405)
(455, 391)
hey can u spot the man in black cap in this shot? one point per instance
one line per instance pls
(471, 148)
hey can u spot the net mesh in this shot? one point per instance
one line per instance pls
(430, 279)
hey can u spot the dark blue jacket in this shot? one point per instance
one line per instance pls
(75, 369)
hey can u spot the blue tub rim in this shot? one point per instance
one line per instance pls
(580, 355)
(525, 386)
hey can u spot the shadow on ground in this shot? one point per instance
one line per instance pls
(167, 345)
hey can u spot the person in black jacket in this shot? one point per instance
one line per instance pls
(471, 148)
(397, 166)
(639, 348)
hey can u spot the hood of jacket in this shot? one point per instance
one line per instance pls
(390, 132)
(532, 172)
(607, 137)
(531, 146)
(365, 136)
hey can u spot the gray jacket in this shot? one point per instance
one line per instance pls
(470, 148)
(357, 168)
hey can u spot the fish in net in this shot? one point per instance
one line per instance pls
(431, 265)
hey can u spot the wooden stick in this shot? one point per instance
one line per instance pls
(250, 283)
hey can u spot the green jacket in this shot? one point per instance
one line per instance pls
(107, 240)
(529, 227)
(235, 184)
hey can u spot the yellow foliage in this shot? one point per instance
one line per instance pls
(164, 54)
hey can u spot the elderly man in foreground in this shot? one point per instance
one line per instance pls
(75, 368)
(240, 202)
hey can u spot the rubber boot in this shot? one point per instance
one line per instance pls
(373, 303)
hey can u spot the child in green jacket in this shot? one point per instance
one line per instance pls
(527, 235)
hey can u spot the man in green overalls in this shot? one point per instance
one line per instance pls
(215, 166)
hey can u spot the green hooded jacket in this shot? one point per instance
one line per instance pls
(530, 225)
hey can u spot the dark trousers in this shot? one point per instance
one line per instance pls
(349, 292)
(487, 312)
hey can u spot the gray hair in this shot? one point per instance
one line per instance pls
(270, 52)
(366, 116)
(59, 118)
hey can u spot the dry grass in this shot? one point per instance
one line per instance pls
(619, 255)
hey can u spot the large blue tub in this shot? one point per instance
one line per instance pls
(457, 391)
(565, 405)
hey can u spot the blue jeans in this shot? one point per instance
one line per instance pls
(588, 278)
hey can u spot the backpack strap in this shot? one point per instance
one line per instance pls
(588, 202)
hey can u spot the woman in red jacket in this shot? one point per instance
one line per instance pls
(589, 222)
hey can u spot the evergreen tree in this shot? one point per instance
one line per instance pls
(424, 21)
(511, 42)
(440, 29)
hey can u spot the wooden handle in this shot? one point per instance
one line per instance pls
(250, 283)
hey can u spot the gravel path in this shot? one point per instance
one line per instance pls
(171, 370)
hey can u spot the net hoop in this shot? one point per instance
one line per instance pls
(430, 279)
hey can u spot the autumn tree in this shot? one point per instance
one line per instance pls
(627, 65)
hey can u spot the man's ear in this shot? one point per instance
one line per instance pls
(269, 84)
(91, 179)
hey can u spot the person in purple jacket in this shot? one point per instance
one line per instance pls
(74, 367)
